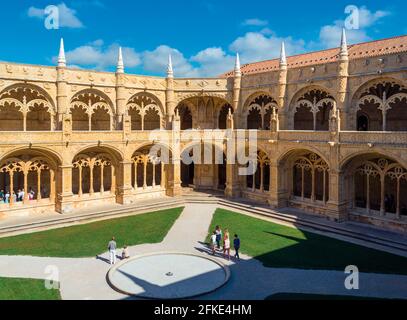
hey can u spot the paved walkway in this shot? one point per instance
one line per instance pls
(85, 278)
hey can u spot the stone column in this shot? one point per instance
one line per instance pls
(120, 100)
(124, 182)
(282, 89)
(170, 102)
(336, 205)
(62, 96)
(174, 176)
(278, 195)
(64, 202)
(342, 89)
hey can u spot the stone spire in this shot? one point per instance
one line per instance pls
(120, 63)
(61, 56)
(170, 71)
(344, 47)
(283, 58)
(238, 72)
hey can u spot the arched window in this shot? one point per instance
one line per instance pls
(380, 185)
(185, 116)
(258, 112)
(26, 179)
(311, 178)
(312, 111)
(145, 113)
(147, 170)
(385, 105)
(260, 180)
(26, 108)
(91, 111)
(93, 173)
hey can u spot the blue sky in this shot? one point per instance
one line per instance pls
(202, 36)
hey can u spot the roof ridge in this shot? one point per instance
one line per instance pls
(328, 49)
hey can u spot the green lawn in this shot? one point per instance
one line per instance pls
(91, 239)
(280, 246)
(26, 289)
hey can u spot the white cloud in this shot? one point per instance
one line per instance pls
(255, 22)
(156, 61)
(330, 35)
(213, 61)
(67, 16)
(95, 55)
(256, 46)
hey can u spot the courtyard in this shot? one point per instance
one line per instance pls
(277, 260)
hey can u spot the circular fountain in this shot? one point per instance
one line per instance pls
(168, 275)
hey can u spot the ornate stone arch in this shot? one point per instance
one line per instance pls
(92, 109)
(375, 183)
(32, 172)
(31, 102)
(115, 154)
(314, 102)
(383, 101)
(259, 105)
(143, 105)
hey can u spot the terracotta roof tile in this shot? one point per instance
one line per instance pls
(356, 51)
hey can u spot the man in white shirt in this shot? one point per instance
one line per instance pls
(112, 250)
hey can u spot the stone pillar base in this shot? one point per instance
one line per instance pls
(277, 203)
(232, 191)
(124, 196)
(64, 203)
(174, 191)
(337, 212)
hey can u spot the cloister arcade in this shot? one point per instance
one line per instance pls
(377, 185)
(258, 112)
(91, 110)
(311, 110)
(381, 105)
(95, 158)
(145, 112)
(147, 170)
(27, 178)
(26, 108)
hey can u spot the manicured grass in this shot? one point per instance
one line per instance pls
(26, 289)
(308, 296)
(91, 239)
(284, 247)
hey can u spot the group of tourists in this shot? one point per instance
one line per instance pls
(111, 247)
(216, 239)
(16, 197)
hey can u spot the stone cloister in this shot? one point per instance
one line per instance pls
(331, 134)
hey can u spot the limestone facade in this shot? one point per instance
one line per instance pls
(331, 135)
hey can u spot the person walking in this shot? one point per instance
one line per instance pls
(213, 242)
(226, 245)
(218, 236)
(112, 250)
(236, 245)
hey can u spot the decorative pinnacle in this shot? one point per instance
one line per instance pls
(344, 47)
(61, 56)
(170, 71)
(238, 72)
(283, 58)
(120, 63)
